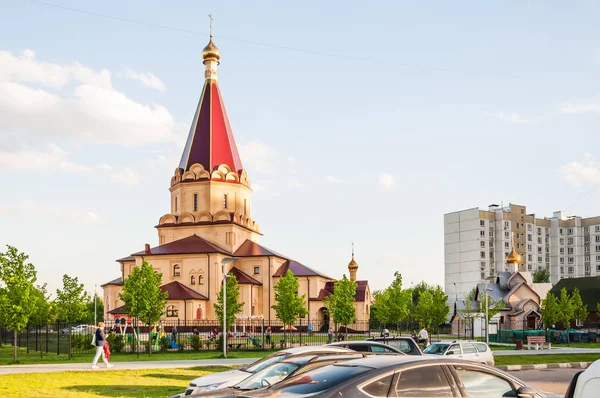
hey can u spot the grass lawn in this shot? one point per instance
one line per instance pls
(6, 356)
(118, 383)
(544, 359)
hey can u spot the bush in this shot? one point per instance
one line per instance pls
(164, 343)
(116, 342)
(82, 341)
(196, 343)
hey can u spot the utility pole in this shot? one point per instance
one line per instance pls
(95, 306)
(487, 336)
(224, 263)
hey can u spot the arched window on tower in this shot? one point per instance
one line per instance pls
(172, 311)
(176, 270)
(193, 280)
(225, 201)
(201, 279)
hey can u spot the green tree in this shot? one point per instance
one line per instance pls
(549, 310)
(423, 310)
(234, 307)
(16, 291)
(440, 307)
(44, 311)
(598, 307)
(397, 301)
(143, 297)
(341, 302)
(541, 275)
(565, 311)
(71, 300)
(379, 308)
(580, 312)
(289, 305)
(471, 310)
(89, 310)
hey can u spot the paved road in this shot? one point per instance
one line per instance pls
(554, 381)
(12, 369)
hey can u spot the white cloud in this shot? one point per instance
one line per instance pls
(511, 117)
(54, 158)
(333, 179)
(387, 180)
(61, 215)
(580, 173)
(94, 111)
(149, 80)
(257, 156)
(578, 107)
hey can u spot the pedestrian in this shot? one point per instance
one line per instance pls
(268, 335)
(100, 341)
(385, 333)
(330, 335)
(424, 337)
(196, 332)
(174, 333)
(310, 328)
(160, 327)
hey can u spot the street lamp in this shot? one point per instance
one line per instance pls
(226, 261)
(487, 321)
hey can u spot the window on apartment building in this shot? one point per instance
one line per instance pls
(597, 258)
(482, 254)
(597, 268)
(570, 231)
(571, 270)
(562, 270)
(570, 250)
(529, 267)
(518, 245)
(597, 238)
(518, 235)
(586, 239)
(506, 224)
(491, 243)
(506, 245)
(483, 275)
(482, 223)
(482, 243)
(529, 237)
(539, 259)
(562, 250)
(597, 228)
(571, 260)
(539, 231)
(586, 229)
(587, 259)
(570, 241)
(562, 241)
(562, 260)
(539, 241)
(491, 255)
(507, 235)
(529, 227)
(176, 270)
(547, 250)
(560, 231)
(256, 270)
(482, 233)
(539, 249)
(598, 248)
(529, 257)
(587, 249)
(491, 234)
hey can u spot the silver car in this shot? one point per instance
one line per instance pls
(468, 350)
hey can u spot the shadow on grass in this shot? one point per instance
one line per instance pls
(127, 391)
(169, 376)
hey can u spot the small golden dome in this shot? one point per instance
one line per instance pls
(352, 264)
(211, 52)
(513, 257)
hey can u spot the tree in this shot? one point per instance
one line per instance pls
(289, 305)
(598, 308)
(541, 275)
(423, 310)
(234, 307)
(565, 311)
(16, 292)
(397, 300)
(379, 307)
(143, 297)
(440, 309)
(43, 312)
(492, 308)
(470, 312)
(341, 302)
(71, 300)
(580, 312)
(549, 310)
(89, 310)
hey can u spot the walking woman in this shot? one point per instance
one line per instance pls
(100, 342)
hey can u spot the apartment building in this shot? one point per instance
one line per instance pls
(477, 242)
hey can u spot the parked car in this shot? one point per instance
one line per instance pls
(79, 329)
(277, 372)
(367, 346)
(230, 378)
(468, 350)
(405, 344)
(402, 376)
(585, 384)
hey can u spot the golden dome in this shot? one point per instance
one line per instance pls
(211, 52)
(352, 264)
(513, 257)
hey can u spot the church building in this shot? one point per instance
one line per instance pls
(210, 220)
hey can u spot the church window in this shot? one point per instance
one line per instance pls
(225, 201)
(245, 209)
(193, 280)
(176, 270)
(256, 270)
(201, 279)
(172, 311)
(195, 202)
(175, 203)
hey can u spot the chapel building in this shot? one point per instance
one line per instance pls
(210, 220)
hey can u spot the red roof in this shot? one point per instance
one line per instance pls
(243, 278)
(178, 291)
(116, 282)
(297, 269)
(327, 290)
(190, 245)
(253, 249)
(128, 258)
(210, 141)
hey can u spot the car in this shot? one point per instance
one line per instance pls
(585, 383)
(469, 350)
(402, 376)
(405, 344)
(277, 372)
(232, 377)
(367, 346)
(79, 329)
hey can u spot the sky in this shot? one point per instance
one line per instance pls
(358, 122)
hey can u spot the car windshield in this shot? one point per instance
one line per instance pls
(266, 361)
(436, 348)
(268, 376)
(319, 379)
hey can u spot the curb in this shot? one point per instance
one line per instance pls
(574, 365)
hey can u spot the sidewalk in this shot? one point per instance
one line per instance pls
(62, 367)
(561, 350)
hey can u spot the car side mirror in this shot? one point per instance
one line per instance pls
(526, 392)
(451, 352)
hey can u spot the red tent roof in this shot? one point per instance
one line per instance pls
(361, 291)
(243, 278)
(297, 269)
(178, 291)
(190, 245)
(252, 249)
(210, 141)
